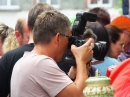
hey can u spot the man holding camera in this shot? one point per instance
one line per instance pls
(36, 74)
(9, 59)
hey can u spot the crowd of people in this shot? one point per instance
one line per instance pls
(32, 54)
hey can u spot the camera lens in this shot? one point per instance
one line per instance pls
(100, 50)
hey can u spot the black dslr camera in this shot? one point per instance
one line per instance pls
(100, 47)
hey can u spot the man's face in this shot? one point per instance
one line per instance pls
(23, 39)
(63, 43)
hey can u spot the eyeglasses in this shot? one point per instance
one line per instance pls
(65, 35)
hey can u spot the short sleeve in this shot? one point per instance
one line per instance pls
(51, 78)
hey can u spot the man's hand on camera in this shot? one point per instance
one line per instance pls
(83, 53)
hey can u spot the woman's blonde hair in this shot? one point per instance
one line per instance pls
(5, 31)
(10, 43)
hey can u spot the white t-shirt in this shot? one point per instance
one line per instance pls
(37, 76)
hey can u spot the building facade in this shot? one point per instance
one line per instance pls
(13, 5)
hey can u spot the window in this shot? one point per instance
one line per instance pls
(94, 2)
(99, 3)
(9, 4)
(105, 1)
(54, 3)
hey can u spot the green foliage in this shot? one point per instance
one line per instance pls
(119, 6)
(72, 20)
(119, 2)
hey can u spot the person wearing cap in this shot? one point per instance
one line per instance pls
(120, 75)
(123, 23)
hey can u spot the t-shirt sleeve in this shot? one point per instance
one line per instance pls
(51, 78)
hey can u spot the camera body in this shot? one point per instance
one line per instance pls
(100, 47)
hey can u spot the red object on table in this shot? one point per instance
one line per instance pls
(109, 69)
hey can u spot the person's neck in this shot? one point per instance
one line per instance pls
(108, 54)
(42, 50)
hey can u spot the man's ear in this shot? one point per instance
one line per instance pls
(57, 38)
(18, 36)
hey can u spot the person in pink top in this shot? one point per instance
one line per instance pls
(37, 74)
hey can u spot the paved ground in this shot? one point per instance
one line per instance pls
(10, 18)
